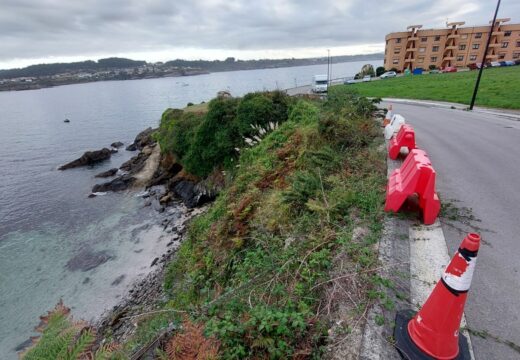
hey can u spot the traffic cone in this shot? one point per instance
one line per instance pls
(433, 333)
(388, 116)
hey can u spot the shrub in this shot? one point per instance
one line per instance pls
(380, 70)
(176, 132)
(432, 67)
(215, 138)
(261, 109)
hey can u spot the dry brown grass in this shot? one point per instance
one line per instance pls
(191, 344)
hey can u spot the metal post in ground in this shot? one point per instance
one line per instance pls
(483, 63)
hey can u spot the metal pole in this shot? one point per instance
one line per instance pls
(484, 58)
(328, 69)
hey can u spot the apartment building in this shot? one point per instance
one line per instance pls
(455, 45)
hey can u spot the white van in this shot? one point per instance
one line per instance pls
(320, 83)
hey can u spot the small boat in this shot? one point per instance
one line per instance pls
(66, 121)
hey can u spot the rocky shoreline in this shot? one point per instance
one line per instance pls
(167, 187)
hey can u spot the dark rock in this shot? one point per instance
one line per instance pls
(142, 139)
(113, 150)
(118, 280)
(192, 194)
(66, 121)
(107, 173)
(88, 158)
(135, 164)
(86, 280)
(118, 184)
(22, 346)
(90, 196)
(116, 144)
(155, 261)
(88, 259)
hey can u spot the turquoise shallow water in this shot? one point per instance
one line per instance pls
(46, 218)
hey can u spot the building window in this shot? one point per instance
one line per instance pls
(437, 38)
(504, 44)
(473, 57)
(433, 59)
(462, 47)
(397, 41)
(518, 44)
(516, 55)
(424, 39)
(464, 36)
(420, 60)
(460, 57)
(478, 35)
(397, 50)
(507, 33)
(422, 49)
(435, 48)
(395, 61)
(476, 46)
(501, 56)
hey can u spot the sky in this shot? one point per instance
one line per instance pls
(43, 31)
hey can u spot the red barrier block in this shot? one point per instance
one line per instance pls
(404, 138)
(416, 176)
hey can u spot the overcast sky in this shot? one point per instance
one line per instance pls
(35, 31)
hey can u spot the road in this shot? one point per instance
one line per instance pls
(477, 159)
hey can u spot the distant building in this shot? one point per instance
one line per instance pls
(453, 46)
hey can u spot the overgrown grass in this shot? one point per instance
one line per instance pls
(498, 87)
(253, 266)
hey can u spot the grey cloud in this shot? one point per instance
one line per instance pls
(44, 28)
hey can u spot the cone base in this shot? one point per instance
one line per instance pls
(406, 347)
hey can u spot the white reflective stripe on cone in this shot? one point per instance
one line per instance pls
(460, 282)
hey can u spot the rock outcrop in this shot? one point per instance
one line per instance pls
(107, 173)
(120, 183)
(116, 144)
(88, 158)
(142, 139)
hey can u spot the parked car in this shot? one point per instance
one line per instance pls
(366, 78)
(350, 82)
(388, 74)
(434, 71)
(449, 69)
(495, 64)
(510, 63)
(417, 71)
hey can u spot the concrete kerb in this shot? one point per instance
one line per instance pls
(413, 257)
(508, 114)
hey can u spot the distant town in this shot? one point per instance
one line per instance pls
(49, 75)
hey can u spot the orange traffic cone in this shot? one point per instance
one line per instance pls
(433, 333)
(388, 116)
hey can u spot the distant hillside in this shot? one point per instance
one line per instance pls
(229, 64)
(60, 68)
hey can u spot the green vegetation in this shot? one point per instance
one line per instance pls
(255, 276)
(251, 267)
(65, 339)
(498, 87)
(206, 140)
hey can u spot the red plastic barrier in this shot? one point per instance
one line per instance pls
(404, 138)
(416, 176)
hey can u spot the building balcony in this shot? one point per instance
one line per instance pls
(453, 36)
(409, 60)
(451, 47)
(411, 49)
(489, 56)
(413, 38)
(497, 45)
(497, 33)
(448, 58)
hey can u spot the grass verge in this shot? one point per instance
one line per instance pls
(498, 87)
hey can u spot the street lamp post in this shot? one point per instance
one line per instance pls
(482, 64)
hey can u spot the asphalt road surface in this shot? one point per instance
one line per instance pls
(477, 160)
